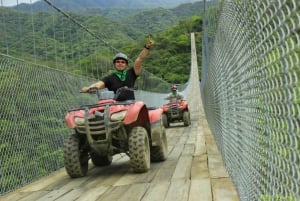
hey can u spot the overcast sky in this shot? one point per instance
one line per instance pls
(15, 2)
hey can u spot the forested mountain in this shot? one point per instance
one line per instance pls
(82, 5)
(170, 29)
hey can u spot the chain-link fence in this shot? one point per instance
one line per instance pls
(250, 89)
(33, 102)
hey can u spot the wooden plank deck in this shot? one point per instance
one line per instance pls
(194, 171)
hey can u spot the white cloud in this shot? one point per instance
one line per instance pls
(15, 2)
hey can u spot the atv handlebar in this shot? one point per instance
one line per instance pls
(120, 94)
(92, 90)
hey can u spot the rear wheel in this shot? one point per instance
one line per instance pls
(165, 121)
(75, 156)
(160, 152)
(139, 150)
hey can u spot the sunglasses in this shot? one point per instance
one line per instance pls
(121, 62)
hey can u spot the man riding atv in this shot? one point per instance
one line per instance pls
(176, 110)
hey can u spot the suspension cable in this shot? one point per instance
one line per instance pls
(77, 23)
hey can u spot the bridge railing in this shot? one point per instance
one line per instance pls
(251, 94)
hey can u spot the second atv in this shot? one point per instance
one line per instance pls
(176, 110)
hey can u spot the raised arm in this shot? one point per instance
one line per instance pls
(139, 60)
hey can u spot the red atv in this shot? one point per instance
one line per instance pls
(176, 110)
(113, 126)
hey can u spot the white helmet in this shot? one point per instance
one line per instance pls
(120, 56)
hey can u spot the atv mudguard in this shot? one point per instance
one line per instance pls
(137, 114)
(184, 105)
(69, 119)
(155, 115)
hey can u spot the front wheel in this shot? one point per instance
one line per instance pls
(139, 149)
(165, 121)
(160, 152)
(186, 118)
(75, 156)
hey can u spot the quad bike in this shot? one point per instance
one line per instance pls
(176, 110)
(111, 126)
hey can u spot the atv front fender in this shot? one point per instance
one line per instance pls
(69, 118)
(155, 115)
(184, 105)
(156, 133)
(137, 113)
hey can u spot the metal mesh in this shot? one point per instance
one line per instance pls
(33, 102)
(250, 90)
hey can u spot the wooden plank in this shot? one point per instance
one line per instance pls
(91, 194)
(178, 190)
(166, 171)
(216, 167)
(199, 169)
(13, 196)
(23, 196)
(211, 146)
(224, 190)
(131, 177)
(56, 180)
(73, 183)
(108, 175)
(200, 190)
(192, 136)
(173, 137)
(200, 145)
(29, 196)
(183, 138)
(183, 168)
(176, 152)
(53, 195)
(134, 193)
(71, 195)
(157, 191)
(114, 193)
(57, 176)
(188, 149)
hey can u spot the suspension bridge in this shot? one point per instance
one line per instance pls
(244, 139)
(193, 171)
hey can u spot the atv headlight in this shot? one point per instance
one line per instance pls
(79, 121)
(118, 116)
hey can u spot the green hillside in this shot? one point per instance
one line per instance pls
(82, 5)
